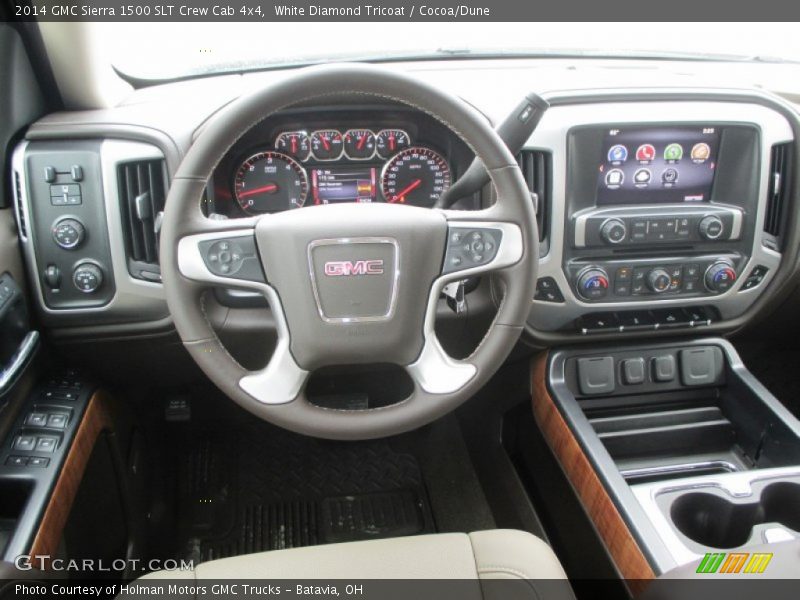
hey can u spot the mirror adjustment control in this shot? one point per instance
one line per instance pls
(68, 233)
(87, 277)
(592, 283)
(720, 277)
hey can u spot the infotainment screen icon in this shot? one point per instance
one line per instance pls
(667, 165)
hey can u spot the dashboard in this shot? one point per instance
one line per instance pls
(660, 211)
(297, 160)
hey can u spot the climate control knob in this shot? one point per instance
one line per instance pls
(711, 228)
(68, 233)
(613, 231)
(658, 280)
(720, 277)
(87, 277)
(593, 283)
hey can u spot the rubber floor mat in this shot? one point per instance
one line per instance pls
(257, 488)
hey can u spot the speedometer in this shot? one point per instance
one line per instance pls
(417, 176)
(270, 182)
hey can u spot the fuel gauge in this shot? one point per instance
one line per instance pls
(389, 142)
(294, 143)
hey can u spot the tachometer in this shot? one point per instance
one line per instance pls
(417, 176)
(294, 143)
(270, 182)
(389, 141)
(326, 144)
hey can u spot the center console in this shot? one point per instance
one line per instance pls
(664, 214)
(697, 457)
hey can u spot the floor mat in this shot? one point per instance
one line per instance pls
(253, 487)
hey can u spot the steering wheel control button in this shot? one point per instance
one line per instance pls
(547, 290)
(234, 257)
(593, 283)
(664, 368)
(468, 248)
(633, 371)
(596, 375)
(87, 277)
(68, 234)
(720, 277)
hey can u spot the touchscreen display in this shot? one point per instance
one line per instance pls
(344, 184)
(654, 165)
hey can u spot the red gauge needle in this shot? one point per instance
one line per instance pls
(266, 189)
(391, 142)
(361, 141)
(325, 143)
(401, 195)
(294, 144)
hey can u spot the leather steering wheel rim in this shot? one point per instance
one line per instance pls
(277, 393)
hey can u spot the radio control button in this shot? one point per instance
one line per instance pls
(711, 227)
(613, 231)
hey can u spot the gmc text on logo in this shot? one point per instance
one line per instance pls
(346, 268)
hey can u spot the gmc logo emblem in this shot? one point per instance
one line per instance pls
(346, 268)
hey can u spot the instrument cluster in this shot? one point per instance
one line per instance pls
(330, 165)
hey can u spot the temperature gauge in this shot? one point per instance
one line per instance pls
(388, 142)
(326, 144)
(359, 144)
(295, 144)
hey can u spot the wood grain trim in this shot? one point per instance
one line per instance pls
(96, 419)
(614, 532)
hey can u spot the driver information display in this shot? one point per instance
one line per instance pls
(654, 165)
(348, 184)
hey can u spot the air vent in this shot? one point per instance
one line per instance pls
(779, 180)
(536, 170)
(23, 226)
(142, 192)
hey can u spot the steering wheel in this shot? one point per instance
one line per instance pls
(349, 283)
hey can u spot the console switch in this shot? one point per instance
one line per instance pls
(633, 371)
(596, 375)
(699, 366)
(664, 368)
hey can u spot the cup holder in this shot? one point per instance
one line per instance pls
(714, 521)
